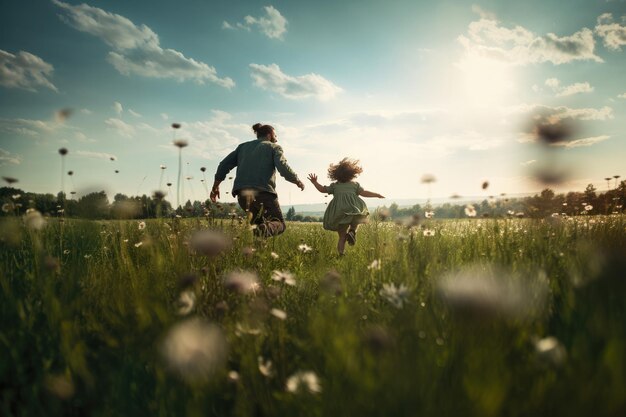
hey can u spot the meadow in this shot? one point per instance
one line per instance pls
(197, 317)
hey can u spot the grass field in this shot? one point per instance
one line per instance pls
(508, 317)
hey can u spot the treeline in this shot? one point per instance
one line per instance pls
(96, 205)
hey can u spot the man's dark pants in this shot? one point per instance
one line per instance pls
(265, 211)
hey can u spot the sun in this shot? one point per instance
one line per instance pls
(486, 82)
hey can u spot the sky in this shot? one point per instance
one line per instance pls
(410, 88)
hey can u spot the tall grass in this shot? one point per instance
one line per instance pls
(85, 319)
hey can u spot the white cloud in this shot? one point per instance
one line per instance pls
(519, 46)
(622, 95)
(555, 114)
(271, 78)
(164, 116)
(25, 70)
(582, 142)
(80, 136)
(134, 113)
(117, 107)
(86, 111)
(121, 127)
(612, 33)
(26, 126)
(137, 49)
(7, 158)
(97, 155)
(529, 162)
(563, 91)
(273, 24)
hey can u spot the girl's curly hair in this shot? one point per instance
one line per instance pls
(345, 170)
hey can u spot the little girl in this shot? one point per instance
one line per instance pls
(346, 210)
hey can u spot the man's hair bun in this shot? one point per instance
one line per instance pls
(256, 127)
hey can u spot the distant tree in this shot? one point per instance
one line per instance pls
(93, 206)
(290, 213)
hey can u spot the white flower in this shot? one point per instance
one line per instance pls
(245, 329)
(274, 255)
(304, 248)
(266, 367)
(233, 376)
(304, 381)
(375, 265)
(279, 314)
(429, 232)
(138, 244)
(588, 207)
(194, 349)
(395, 295)
(429, 214)
(284, 276)
(141, 225)
(549, 349)
(186, 302)
(243, 282)
(470, 211)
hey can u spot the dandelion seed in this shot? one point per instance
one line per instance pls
(181, 143)
(455, 196)
(70, 173)
(230, 178)
(284, 276)
(203, 169)
(62, 115)
(194, 349)
(63, 151)
(241, 329)
(66, 252)
(186, 302)
(117, 171)
(265, 367)
(428, 179)
(274, 255)
(485, 185)
(138, 244)
(279, 314)
(304, 381)
(233, 376)
(34, 220)
(209, 242)
(304, 248)
(163, 167)
(397, 296)
(141, 225)
(10, 180)
(242, 282)
(175, 125)
(429, 232)
(169, 184)
(375, 265)
(470, 211)
(87, 256)
(112, 158)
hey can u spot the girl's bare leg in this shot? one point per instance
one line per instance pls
(341, 244)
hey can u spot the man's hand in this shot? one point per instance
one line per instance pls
(300, 185)
(215, 194)
(312, 178)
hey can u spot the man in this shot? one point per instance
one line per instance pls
(257, 162)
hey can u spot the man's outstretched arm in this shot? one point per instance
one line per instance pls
(280, 162)
(223, 169)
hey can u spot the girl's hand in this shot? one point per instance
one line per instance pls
(312, 178)
(380, 196)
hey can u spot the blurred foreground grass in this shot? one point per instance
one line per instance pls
(473, 317)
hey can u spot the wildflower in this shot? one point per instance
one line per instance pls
(279, 314)
(429, 214)
(6, 207)
(588, 207)
(34, 220)
(397, 296)
(117, 171)
(194, 349)
(428, 179)
(510, 212)
(266, 367)
(181, 143)
(70, 173)
(485, 185)
(233, 376)
(163, 167)
(87, 256)
(138, 244)
(175, 125)
(241, 329)
(274, 255)
(470, 211)
(550, 350)
(304, 248)
(16, 196)
(142, 225)
(304, 381)
(63, 151)
(375, 265)
(284, 276)
(66, 252)
(243, 282)
(186, 302)
(203, 169)
(209, 242)
(429, 232)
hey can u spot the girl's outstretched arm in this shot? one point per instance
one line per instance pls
(320, 187)
(365, 193)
